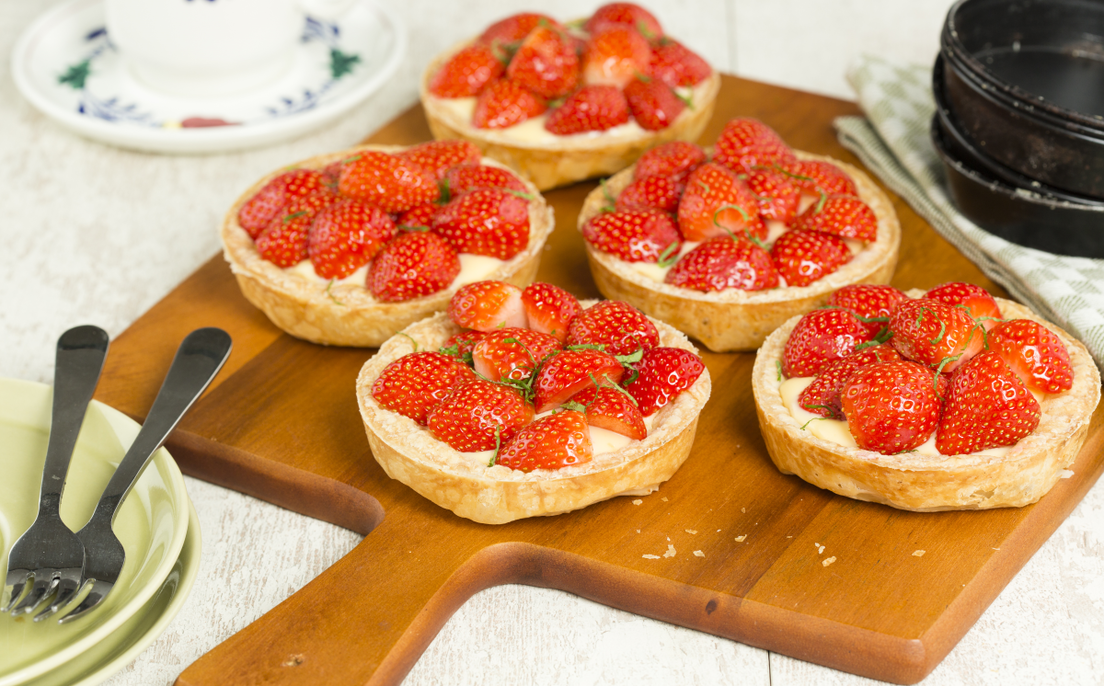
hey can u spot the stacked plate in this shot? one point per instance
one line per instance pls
(1019, 123)
(156, 524)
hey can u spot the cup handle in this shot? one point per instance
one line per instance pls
(325, 9)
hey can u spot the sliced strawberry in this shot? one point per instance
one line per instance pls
(392, 183)
(777, 195)
(467, 72)
(653, 104)
(650, 193)
(566, 373)
(675, 160)
(987, 407)
(437, 157)
(553, 442)
(479, 415)
(661, 375)
(549, 309)
(613, 409)
(512, 354)
(617, 326)
(514, 28)
(413, 265)
(842, 215)
(486, 221)
(505, 103)
(419, 217)
(414, 383)
(545, 63)
(822, 396)
(803, 257)
(258, 212)
(284, 241)
(624, 14)
(487, 305)
(634, 235)
(745, 143)
(1034, 353)
(934, 333)
(819, 177)
(891, 407)
(978, 302)
(724, 262)
(460, 345)
(591, 108)
(468, 177)
(716, 203)
(872, 302)
(345, 236)
(677, 65)
(820, 338)
(615, 56)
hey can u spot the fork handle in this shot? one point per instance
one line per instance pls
(79, 361)
(198, 359)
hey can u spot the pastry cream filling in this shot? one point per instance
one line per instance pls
(472, 268)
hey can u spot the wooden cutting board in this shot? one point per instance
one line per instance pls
(759, 557)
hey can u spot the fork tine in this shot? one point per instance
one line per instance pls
(67, 590)
(17, 579)
(95, 597)
(43, 586)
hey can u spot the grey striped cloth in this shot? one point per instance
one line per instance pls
(893, 141)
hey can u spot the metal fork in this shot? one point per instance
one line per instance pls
(49, 552)
(199, 358)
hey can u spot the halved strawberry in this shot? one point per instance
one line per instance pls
(549, 309)
(822, 396)
(716, 203)
(392, 183)
(613, 409)
(467, 72)
(345, 236)
(934, 333)
(987, 407)
(891, 407)
(650, 193)
(553, 442)
(545, 63)
(778, 197)
(284, 241)
(724, 262)
(818, 177)
(675, 160)
(872, 302)
(745, 143)
(1034, 353)
(487, 305)
(624, 14)
(468, 177)
(842, 215)
(437, 157)
(486, 221)
(617, 326)
(615, 56)
(414, 383)
(479, 415)
(258, 211)
(514, 28)
(413, 265)
(591, 108)
(661, 375)
(981, 305)
(820, 338)
(803, 257)
(512, 354)
(505, 103)
(677, 65)
(634, 235)
(653, 104)
(568, 372)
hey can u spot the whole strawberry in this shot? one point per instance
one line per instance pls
(437, 157)
(615, 56)
(487, 221)
(616, 325)
(549, 308)
(823, 397)
(661, 375)
(803, 257)
(390, 182)
(820, 338)
(573, 370)
(778, 196)
(650, 193)
(873, 303)
(891, 407)
(284, 242)
(981, 306)
(258, 212)
(559, 440)
(987, 407)
(676, 65)
(420, 217)
(722, 263)
(652, 103)
(624, 14)
(479, 415)
(746, 143)
(345, 236)
(414, 383)
(1034, 353)
(843, 215)
(467, 72)
(934, 333)
(504, 103)
(591, 108)
(634, 235)
(508, 32)
(545, 63)
(716, 203)
(675, 160)
(413, 265)
(468, 177)
(818, 177)
(487, 306)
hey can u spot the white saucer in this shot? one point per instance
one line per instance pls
(66, 66)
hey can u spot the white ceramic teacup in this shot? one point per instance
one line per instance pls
(208, 48)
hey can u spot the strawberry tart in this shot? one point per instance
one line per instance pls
(518, 402)
(350, 247)
(565, 102)
(726, 244)
(944, 400)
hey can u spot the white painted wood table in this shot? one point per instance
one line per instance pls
(94, 234)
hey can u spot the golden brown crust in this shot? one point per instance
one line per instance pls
(566, 159)
(735, 319)
(911, 481)
(347, 314)
(496, 495)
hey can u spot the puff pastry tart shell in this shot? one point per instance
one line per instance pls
(347, 314)
(566, 159)
(923, 483)
(735, 319)
(498, 494)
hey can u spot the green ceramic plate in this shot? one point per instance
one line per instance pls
(152, 523)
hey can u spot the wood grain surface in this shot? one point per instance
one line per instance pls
(758, 557)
